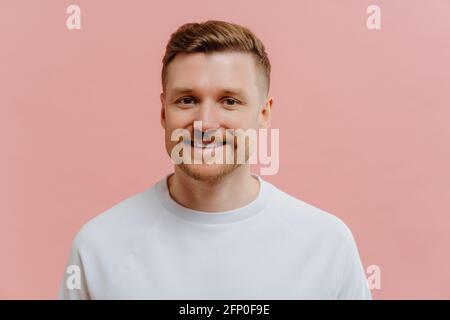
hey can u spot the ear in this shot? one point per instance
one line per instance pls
(163, 110)
(266, 113)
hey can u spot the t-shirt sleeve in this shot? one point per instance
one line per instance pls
(73, 285)
(354, 285)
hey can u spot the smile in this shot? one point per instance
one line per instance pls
(201, 145)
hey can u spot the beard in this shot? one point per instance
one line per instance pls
(215, 172)
(211, 173)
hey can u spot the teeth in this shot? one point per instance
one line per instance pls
(208, 145)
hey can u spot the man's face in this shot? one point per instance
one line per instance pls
(223, 90)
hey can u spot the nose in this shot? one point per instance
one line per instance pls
(208, 115)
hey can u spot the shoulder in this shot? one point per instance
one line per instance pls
(304, 217)
(119, 222)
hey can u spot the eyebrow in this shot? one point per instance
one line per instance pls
(184, 90)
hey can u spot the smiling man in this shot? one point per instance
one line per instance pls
(214, 230)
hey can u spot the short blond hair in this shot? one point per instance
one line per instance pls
(213, 36)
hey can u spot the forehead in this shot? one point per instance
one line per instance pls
(213, 71)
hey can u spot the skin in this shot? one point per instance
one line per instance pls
(213, 187)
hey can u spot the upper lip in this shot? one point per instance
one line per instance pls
(205, 143)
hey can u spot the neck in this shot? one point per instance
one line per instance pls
(233, 191)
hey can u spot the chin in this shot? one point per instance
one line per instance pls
(208, 172)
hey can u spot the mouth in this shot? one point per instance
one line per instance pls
(207, 145)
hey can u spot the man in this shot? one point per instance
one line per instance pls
(214, 230)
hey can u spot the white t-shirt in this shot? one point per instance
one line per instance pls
(276, 247)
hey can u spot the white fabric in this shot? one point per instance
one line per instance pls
(277, 247)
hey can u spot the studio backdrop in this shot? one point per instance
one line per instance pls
(361, 99)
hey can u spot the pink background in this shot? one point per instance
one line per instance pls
(363, 118)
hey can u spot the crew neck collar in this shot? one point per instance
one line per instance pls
(221, 217)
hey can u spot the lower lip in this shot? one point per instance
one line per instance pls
(205, 147)
(208, 147)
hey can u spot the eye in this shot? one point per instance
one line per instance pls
(185, 100)
(231, 102)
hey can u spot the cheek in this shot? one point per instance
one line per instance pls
(242, 120)
(177, 120)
